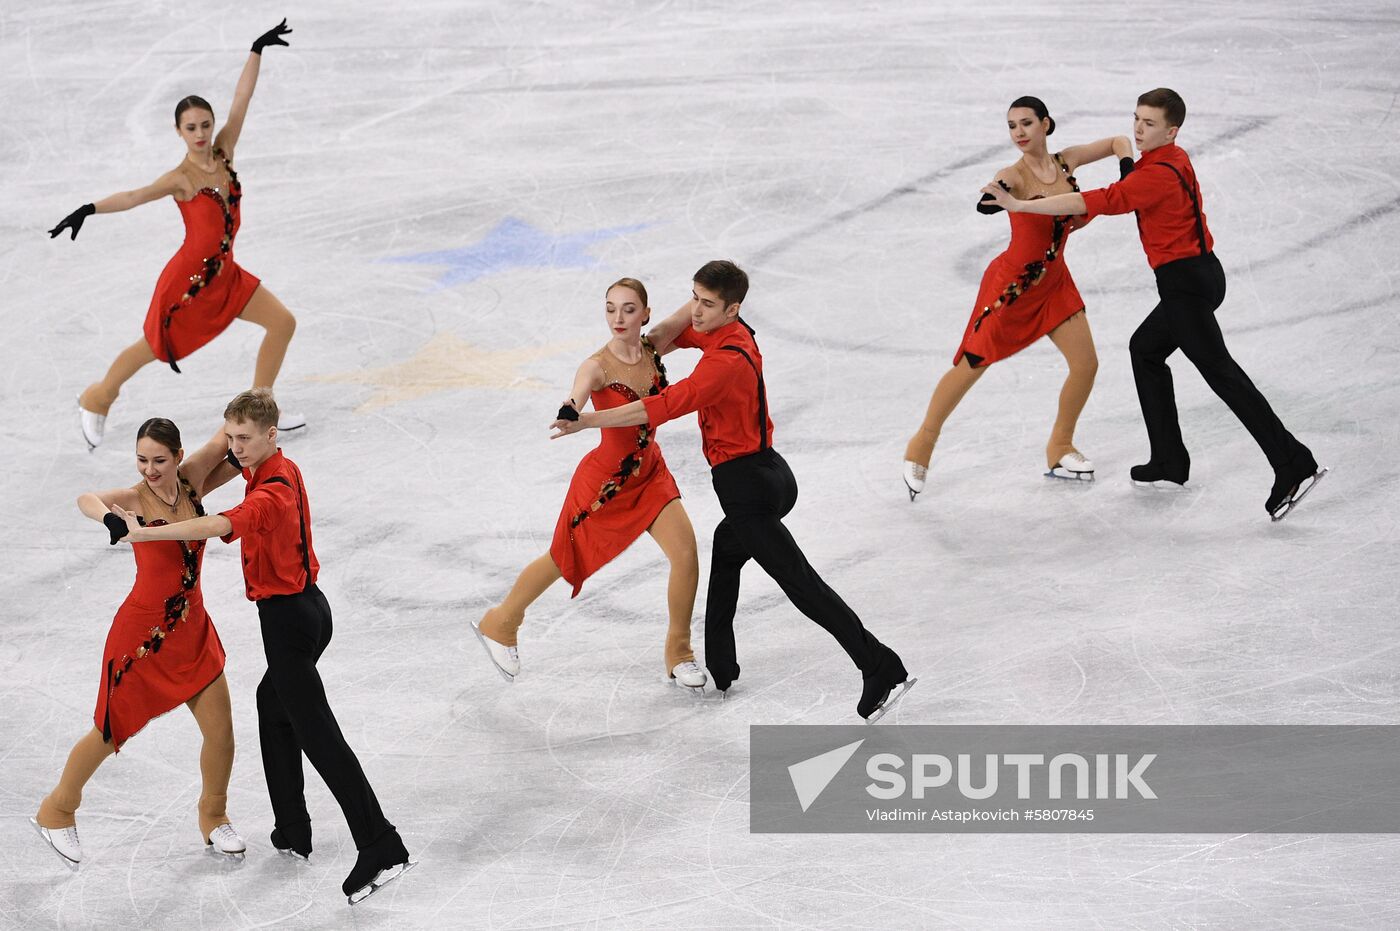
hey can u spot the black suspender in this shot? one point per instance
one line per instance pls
(301, 521)
(1195, 206)
(762, 397)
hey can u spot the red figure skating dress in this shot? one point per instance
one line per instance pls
(619, 487)
(202, 289)
(162, 649)
(1027, 291)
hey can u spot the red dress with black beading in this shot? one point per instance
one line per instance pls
(621, 486)
(162, 649)
(202, 288)
(1026, 291)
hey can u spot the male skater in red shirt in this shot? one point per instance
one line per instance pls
(755, 487)
(1162, 189)
(279, 569)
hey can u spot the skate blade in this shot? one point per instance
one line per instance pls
(90, 445)
(1302, 492)
(912, 493)
(382, 879)
(890, 701)
(224, 857)
(291, 854)
(39, 829)
(697, 691)
(1066, 475)
(1163, 485)
(481, 638)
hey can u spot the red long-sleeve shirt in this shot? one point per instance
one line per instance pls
(1166, 219)
(722, 388)
(271, 520)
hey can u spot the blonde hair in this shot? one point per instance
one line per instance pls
(632, 283)
(256, 405)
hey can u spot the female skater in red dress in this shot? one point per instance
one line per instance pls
(1026, 293)
(202, 288)
(619, 490)
(162, 650)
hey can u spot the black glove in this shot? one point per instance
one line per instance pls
(567, 412)
(74, 221)
(232, 460)
(272, 37)
(1125, 168)
(115, 526)
(987, 206)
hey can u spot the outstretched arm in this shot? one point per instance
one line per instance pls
(227, 138)
(172, 183)
(663, 335)
(1118, 146)
(628, 415)
(200, 528)
(1058, 205)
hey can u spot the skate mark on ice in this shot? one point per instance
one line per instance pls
(764, 255)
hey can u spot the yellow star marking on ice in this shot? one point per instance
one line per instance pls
(443, 363)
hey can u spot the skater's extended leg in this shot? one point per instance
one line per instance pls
(296, 629)
(502, 623)
(727, 558)
(756, 493)
(99, 395)
(278, 324)
(58, 808)
(1076, 344)
(214, 714)
(676, 537)
(774, 548)
(946, 395)
(1204, 344)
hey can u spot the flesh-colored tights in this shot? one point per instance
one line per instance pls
(263, 308)
(1074, 341)
(672, 532)
(214, 715)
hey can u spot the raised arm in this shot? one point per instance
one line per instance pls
(663, 335)
(227, 137)
(208, 467)
(1118, 146)
(172, 184)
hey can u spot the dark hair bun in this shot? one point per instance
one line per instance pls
(1051, 130)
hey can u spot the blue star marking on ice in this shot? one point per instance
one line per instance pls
(515, 244)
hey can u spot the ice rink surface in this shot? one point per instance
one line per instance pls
(441, 191)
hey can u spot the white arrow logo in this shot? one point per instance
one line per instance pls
(811, 777)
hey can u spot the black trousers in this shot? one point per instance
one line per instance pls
(1190, 291)
(294, 718)
(755, 493)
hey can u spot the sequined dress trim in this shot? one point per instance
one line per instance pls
(1033, 272)
(213, 264)
(631, 464)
